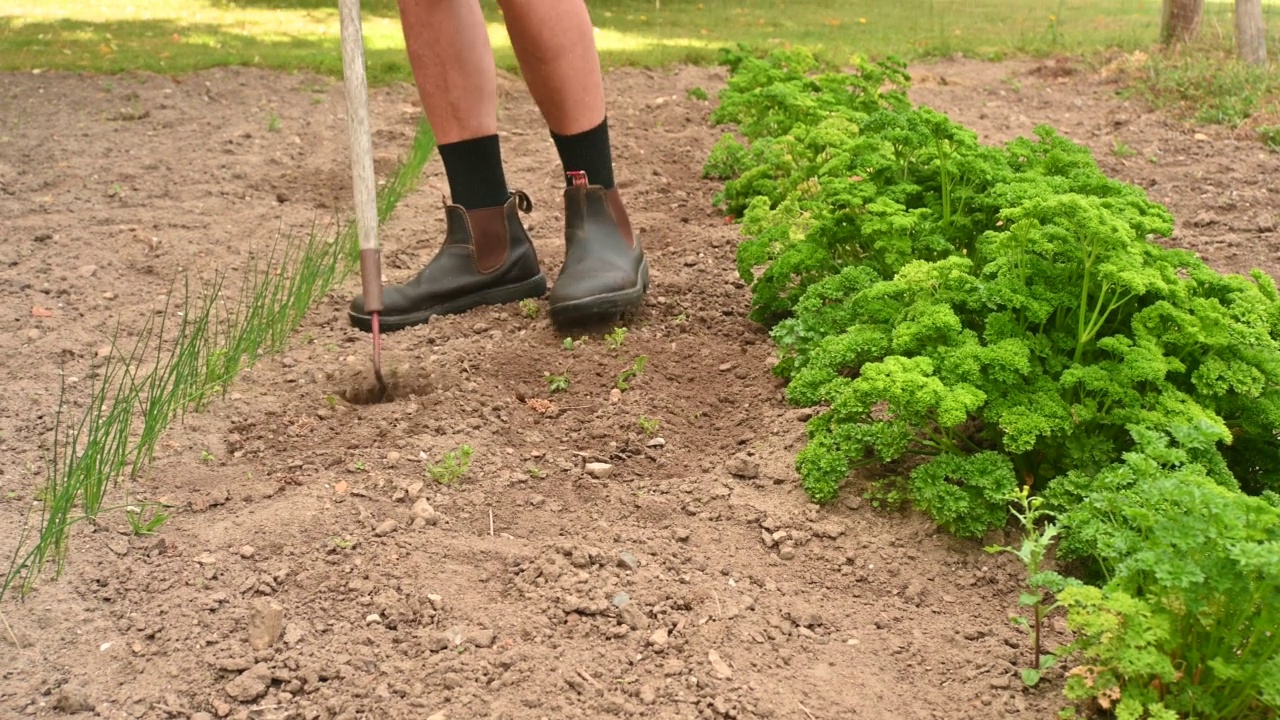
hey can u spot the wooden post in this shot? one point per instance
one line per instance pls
(1251, 34)
(1180, 21)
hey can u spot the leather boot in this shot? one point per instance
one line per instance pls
(487, 259)
(605, 273)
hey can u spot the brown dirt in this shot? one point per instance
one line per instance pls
(531, 589)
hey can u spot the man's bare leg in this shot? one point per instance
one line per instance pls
(605, 273)
(487, 257)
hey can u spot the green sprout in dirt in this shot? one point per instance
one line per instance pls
(631, 373)
(206, 456)
(570, 344)
(1036, 542)
(648, 425)
(331, 401)
(529, 308)
(453, 466)
(614, 339)
(1122, 150)
(1270, 135)
(536, 473)
(273, 121)
(697, 93)
(146, 519)
(557, 383)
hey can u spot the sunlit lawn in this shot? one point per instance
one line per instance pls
(182, 35)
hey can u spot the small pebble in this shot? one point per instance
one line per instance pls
(385, 528)
(373, 619)
(599, 471)
(246, 551)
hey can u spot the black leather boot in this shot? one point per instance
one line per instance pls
(487, 259)
(605, 273)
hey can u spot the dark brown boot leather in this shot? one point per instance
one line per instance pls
(605, 273)
(487, 259)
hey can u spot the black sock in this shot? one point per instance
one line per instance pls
(474, 169)
(587, 152)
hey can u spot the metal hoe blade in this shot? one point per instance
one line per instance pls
(357, 87)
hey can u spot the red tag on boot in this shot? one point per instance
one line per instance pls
(578, 178)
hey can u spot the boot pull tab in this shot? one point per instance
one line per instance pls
(578, 178)
(523, 202)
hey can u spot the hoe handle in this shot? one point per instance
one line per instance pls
(353, 75)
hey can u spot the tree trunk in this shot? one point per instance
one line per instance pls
(1180, 21)
(1251, 35)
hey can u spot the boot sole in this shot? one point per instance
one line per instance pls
(605, 306)
(532, 288)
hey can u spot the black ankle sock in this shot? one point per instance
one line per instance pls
(588, 152)
(474, 169)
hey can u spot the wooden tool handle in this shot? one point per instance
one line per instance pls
(357, 86)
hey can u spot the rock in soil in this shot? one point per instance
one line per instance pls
(719, 668)
(599, 470)
(265, 623)
(251, 684)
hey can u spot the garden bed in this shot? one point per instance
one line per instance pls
(111, 187)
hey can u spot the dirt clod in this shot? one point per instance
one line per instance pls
(266, 623)
(743, 467)
(251, 684)
(72, 700)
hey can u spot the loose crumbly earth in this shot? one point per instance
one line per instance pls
(692, 580)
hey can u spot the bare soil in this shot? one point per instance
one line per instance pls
(690, 580)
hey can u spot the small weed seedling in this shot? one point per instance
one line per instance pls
(570, 344)
(529, 308)
(361, 467)
(1121, 150)
(341, 543)
(536, 473)
(206, 456)
(648, 425)
(614, 339)
(1270, 135)
(455, 464)
(1035, 545)
(273, 121)
(142, 522)
(697, 93)
(631, 373)
(557, 383)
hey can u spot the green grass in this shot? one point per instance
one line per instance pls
(178, 36)
(167, 371)
(172, 36)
